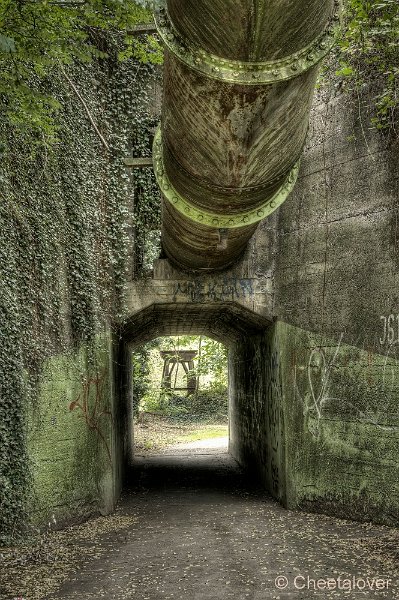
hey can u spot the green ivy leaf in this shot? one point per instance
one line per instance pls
(7, 44)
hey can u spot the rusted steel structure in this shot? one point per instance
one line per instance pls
(239, 77)
(172, 360)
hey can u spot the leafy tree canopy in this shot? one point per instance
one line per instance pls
(41, 37)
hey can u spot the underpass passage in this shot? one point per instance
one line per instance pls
(208, 469)
(180, 396)
(227, 322)
(238, 83)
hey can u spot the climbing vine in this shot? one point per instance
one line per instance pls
(66, 219)
(147, 202)
(147, 206)
(38, 39)
(368, 55)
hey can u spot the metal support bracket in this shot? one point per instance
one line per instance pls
(137, 163)
(247, 73)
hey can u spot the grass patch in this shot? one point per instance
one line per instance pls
(205, 432)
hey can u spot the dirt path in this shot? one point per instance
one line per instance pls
(202, 535)
(156, 432)
(191, 527)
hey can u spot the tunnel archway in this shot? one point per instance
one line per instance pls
(224, 321)
(251, 412)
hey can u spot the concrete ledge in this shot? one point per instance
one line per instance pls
(170, 286)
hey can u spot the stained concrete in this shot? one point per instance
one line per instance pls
(314, 394)
(317, 421)
(71, 437)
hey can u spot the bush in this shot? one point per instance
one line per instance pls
(210, 402)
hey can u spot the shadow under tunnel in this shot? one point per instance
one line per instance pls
(200, 477)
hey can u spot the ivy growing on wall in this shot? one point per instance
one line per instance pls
(368, 53)
(38, 39)
(66, 246)
(147, 204)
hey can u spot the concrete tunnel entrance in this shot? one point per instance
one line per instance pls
(253, 418)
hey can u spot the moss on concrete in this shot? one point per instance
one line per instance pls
(341, 426)
(70, 439)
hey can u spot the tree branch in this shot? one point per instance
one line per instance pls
(73, 86)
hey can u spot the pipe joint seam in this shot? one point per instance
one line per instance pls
(211, 219)
(247, 73)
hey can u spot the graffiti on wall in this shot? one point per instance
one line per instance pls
(90, 402)
(316, 395)
(318, 380)
(205, 290)
(390, 329)
(274, 392)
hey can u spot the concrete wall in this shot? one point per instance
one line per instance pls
(341, 427)
(337, 294)
(314, 394)
(329, 376)
(256, 410)
(71, 441)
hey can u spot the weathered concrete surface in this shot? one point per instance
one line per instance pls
(315, 400)
(314, 397)
(341, 423)
(201, 533)
(76, 467)
(224, 321)
(318, 421)
(257, 428)
(311, 318)
(337, 284)
(171, 286)
(337, 252)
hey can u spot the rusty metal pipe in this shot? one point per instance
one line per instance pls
(239, 77)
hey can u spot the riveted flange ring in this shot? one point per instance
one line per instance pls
(211, 219)
(246, 73)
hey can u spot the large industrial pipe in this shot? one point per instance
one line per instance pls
(239, 77)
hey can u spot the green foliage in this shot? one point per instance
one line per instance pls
(154, 401)
(212, 360)
(209, 402)
(210, 365)
(147, 199)
(38, 37)
(141, 382)
(65, 246)
(369, 52)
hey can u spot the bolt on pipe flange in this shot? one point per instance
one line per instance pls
(211, 219)
(246, 73)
